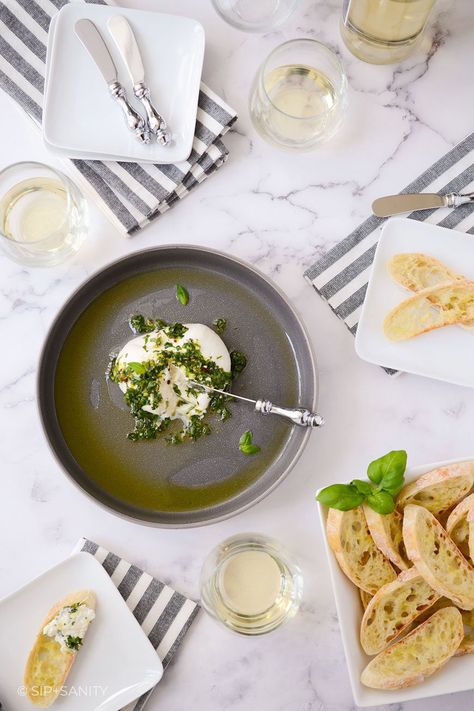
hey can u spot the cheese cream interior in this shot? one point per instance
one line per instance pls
(153, 371)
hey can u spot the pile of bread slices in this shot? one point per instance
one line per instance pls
(414, 571)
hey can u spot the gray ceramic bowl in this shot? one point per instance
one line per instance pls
(86, 421)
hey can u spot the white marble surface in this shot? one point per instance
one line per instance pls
(280, 212)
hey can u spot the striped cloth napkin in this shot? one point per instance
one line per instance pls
(131, 195)
(164, 614)
(341, 276)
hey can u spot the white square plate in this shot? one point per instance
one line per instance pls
(117, 662)
(444, 354)
(455, 676)
(81, 119)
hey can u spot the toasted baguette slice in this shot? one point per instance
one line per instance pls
(386, 530)
(416, 314)
(48, 664)
(440, 489)
(437, 558)
(417, 271)
(418, 655)
(393, 608)
(360, 559)
(457, 525)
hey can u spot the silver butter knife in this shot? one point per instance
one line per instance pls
(298, 415)
(127, 44)
(95, 45)
(395, 204)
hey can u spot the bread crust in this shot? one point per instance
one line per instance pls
(381, 529)
(48, 645)
(443, 476)
(418, 522)
(376, 677)
(416, 315)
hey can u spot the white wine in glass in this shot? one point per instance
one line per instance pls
(383, 31)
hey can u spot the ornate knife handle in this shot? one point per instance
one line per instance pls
(135, 122)
(299, 415)
(454, 200)
(156, 122)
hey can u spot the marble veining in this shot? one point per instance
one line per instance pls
(280, 212)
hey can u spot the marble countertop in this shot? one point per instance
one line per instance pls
(279, 211)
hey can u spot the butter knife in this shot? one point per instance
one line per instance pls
(95, 45)
(127, 44)
(298, 415)
(395, 204)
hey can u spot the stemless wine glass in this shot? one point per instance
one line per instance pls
(299, 95)
(255, 15)
(43, 215)
(251, 584)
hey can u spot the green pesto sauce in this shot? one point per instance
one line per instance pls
(144, 380)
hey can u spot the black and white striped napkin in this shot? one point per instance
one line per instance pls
(341, 276)
(131, 194)
(164, 614)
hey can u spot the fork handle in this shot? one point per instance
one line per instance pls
(454, 200)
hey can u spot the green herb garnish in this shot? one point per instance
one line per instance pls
(182, 294)
(246, 444)
(237, 361)
(387, 476)
(140, 324)
(73, 642)
(138, 368)
(220, 325)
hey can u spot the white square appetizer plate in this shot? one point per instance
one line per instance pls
(455, 676)
(117, 662)
(445, 353)
(82, 120)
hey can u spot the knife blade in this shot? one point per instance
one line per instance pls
(94, 43)
(396, 204)
(127, 44)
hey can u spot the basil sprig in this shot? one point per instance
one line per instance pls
(387, 476)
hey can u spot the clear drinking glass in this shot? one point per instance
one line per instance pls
(299, 95)
(251, 584)
(383, 31)
(43, 215)
(255, 15)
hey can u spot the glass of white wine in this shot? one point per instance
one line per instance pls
(43, 215)
(299, 95)
(251, 584)
(383, 31)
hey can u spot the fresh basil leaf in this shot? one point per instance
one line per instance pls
(363, 486)
(246, 445)
(246, 438)
(138, 368)
(182, 294)
(341, 496)
(388, 471)
(382, 502)
(249, 448)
